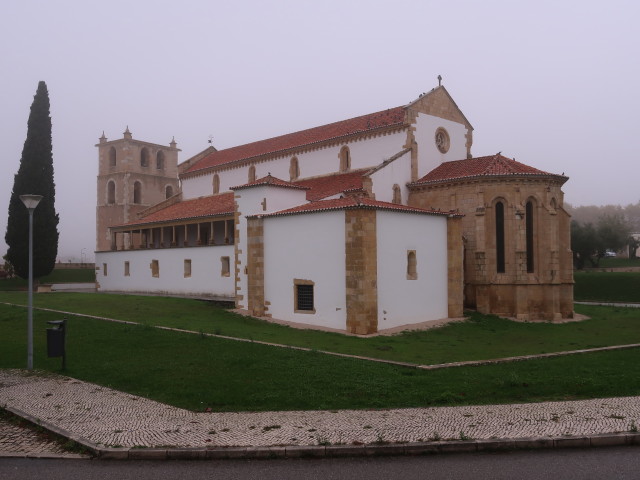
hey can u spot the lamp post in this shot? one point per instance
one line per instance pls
(31, 202)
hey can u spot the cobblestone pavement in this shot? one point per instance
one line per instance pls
(17, 441)
(109, 418)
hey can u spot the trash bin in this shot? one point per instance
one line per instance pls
(56, 340)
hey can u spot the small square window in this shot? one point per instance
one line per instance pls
(304, 296)
(187, 267)
(126, 269)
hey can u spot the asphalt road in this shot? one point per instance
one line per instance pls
(617, 463)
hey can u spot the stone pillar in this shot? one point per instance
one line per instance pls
(255, 266)
(455, 274)
(361, 271)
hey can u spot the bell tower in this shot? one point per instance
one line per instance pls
(132, 176)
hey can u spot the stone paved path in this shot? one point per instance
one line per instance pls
(110, 418)
(17, 441)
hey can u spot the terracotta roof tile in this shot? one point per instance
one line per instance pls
(214, 205)
(269, 180)
(364, 123)
(353, 202)
(494, 165)
(328, 185)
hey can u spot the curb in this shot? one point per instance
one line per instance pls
(335, 451)
(328, 451)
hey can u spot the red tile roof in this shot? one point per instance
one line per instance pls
(364, 123)
(202, 207)
(494, 165)
(328, 185)
(352, 203)
(269, 180)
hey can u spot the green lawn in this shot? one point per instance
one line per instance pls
(618, 262)
(480, 337)
(607, 286)
(196, 372)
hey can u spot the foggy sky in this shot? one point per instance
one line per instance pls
(551, 83)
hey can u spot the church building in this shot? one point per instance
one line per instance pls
(380, 221)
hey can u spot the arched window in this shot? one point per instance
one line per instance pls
(144, 157)
(412, 265)
(345, 159)
(112, 157)
(252, 173)
(216, 183)
(168, 192)
(530, 235)
(294, 169)
(111, 192)
(500, 262)
(137, 192)
(160, 160)
(397, 194)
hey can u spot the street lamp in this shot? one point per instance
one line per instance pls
(31, 202)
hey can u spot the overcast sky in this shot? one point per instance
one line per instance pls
(552, 83)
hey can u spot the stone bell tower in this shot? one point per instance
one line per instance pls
(132, 176)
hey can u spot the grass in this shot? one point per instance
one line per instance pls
(62, 275)
(196, 372)
(618, 262)
(607, 286)
(481, 337)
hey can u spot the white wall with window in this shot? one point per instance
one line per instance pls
(429, 156)
(403, 300)
(298, 251)
(131, 271)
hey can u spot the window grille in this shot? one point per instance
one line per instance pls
(304, 295)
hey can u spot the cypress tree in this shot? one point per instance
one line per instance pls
(35, 176)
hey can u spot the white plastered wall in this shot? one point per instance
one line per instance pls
(397, 172)
(206, 271)
(402, 301)
(429, 157)
(306, 247)
(250, 201)
(323, 161)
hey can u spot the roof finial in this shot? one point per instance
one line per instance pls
(127, 133)
(439, 80)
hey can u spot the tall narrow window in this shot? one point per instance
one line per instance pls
(397, 194)
(112, 157)
(187, 267)
(137, 192)
(168, 192)
(224, 261)
(111, 192)
(303, 296)
(104, 269)
(294, 169)
(252, 173)
(500, 263)
(216, 183)
(144, 157)
(345, 159)
(412, 265)
(529, 235)
(155, 268)
(126, 269)
(160, 160)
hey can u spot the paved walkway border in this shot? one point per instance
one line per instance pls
(333, 451)
(437, 366)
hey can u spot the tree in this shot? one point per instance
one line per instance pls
(35, 176)
(612, 232)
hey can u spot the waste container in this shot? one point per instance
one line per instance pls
(56, 340)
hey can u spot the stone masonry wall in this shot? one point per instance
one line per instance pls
(361, 271)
